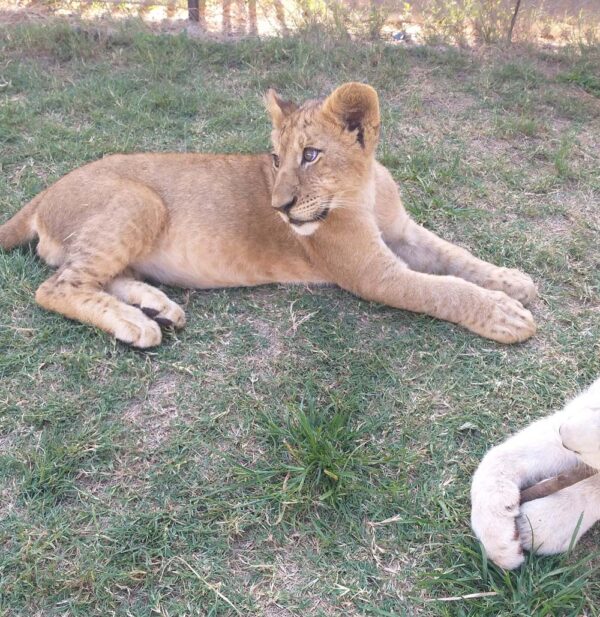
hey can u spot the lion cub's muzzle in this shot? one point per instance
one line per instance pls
(285, 210)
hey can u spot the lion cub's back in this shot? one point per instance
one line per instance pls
(216, 189)
(198, 180)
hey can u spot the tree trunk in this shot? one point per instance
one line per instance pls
(513, 21)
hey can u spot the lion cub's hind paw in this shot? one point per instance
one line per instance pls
(160, 307)
(169, 315)
(134, 328)
(153, 302)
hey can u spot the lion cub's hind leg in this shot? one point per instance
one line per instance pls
(67, 293)
(51, 251)
(120, 232)
(150, 300)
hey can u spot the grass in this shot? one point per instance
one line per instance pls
(293, 451)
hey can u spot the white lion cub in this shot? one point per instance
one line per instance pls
(544, 449)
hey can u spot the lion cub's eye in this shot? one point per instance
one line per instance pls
(310, 155)
(275, 160)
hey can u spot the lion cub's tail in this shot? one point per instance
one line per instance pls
(19, 229)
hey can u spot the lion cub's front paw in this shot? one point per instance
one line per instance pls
(508, 321)
(514, 283)
(547, 526)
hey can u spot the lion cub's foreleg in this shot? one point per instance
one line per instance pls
(489, 313)
(371, 270)
(96, 256)
(423, 251)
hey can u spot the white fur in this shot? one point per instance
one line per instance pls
(306, 229)
(536, 453)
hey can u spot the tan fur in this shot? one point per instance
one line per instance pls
(204, 221)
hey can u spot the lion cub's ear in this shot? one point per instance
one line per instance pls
(356, 107)
(278, 108)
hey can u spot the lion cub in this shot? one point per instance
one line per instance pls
(319, 209)
(559, 443)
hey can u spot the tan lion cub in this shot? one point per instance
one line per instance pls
(320, 209)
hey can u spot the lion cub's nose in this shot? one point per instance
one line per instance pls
(285, 208)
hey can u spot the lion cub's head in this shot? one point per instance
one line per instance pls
(322, 153)
(580, 431)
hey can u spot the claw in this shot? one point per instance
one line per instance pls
(150, 312)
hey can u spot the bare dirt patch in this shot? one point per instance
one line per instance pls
(152, 415)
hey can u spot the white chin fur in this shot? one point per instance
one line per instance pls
(307, 229)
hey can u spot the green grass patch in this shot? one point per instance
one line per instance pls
(293, 451)
(584, 72)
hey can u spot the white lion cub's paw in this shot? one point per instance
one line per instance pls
(547, 526)
(495, 507)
